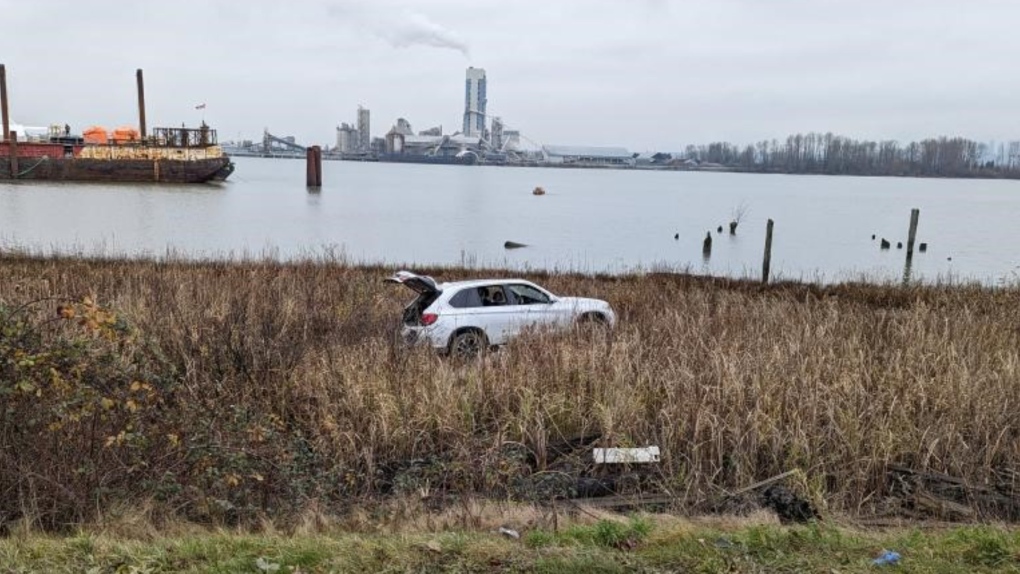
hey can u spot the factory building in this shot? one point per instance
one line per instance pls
(346, 138)
(364, 130)
(587, 156)
(474, 103)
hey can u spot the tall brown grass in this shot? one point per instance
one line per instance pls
(230, 391)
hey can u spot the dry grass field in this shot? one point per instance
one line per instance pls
(229, 392)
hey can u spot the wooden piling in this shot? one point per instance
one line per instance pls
(310, 167)
(141, 103)
(915, 214)
(3, 102)
(13, 138)
(768, 253)
(313, 166)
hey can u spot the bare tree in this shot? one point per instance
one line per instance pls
(736, 216)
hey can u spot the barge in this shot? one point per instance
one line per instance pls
(167, 155)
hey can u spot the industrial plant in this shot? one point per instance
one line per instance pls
(482, 139)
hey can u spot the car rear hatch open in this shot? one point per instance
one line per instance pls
(420, 284)
(426, 288)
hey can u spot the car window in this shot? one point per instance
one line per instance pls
(528, 295)
(466, 298)
(493, 295)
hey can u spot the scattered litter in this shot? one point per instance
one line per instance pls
(625, 455)
(266, 566)
(509, 532)
(888, 557)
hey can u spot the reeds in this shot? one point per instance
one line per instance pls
(274, 386)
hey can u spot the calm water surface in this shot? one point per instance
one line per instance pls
(589, 220)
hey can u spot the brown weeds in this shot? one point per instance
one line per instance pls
(233, 391)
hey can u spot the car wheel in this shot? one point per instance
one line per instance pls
(592, 325)
(593, 320)
(467, 344)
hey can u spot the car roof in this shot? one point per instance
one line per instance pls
(480, 282)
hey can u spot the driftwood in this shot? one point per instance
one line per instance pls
(622, 501)
(952, 498)
(765, 482)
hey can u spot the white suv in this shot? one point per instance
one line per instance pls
(466, 317)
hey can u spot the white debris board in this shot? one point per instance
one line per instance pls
(626, 455)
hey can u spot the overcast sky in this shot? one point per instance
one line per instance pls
(645, 74)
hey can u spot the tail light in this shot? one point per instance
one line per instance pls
(428, 318)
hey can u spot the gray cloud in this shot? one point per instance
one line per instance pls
(648, 74)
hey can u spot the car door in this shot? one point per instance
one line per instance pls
(537, 305)
(495, 315)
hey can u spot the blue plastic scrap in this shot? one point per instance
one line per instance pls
(887, 557)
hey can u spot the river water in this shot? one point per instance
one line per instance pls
(589, 220)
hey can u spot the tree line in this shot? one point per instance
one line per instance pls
(816, 153)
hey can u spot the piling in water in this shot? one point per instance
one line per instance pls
(912, 234)
(706, 246)
(767, 261)
(313, 166)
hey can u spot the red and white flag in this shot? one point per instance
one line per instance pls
(200, 106)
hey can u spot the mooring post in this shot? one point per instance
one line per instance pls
(14, 154)
(768, 253)
(310, 167)
(915, 214)
(3, 102)
(313, 166)
(318, 166)
(141, 103)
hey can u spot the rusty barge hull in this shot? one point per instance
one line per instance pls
(113, 170)
(167, 155)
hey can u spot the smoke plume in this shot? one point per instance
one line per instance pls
(415, 29)
(406, 30)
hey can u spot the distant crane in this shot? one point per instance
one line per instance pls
(502, 148)
(269, 139)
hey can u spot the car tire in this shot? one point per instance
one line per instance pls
(592, 326)
(468, 344)
(593, 320)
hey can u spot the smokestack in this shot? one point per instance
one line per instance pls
(3, 102)
(141, 103)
